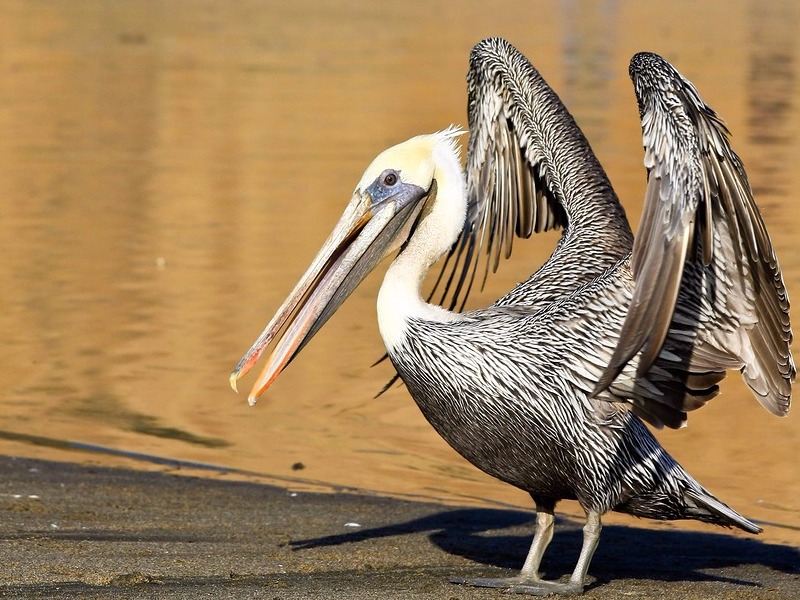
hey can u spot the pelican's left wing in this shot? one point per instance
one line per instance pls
(706, 276)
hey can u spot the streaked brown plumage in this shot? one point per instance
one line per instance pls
(545, 388)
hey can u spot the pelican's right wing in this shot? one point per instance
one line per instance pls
(525, 151)
(529, 169)
(707, 281)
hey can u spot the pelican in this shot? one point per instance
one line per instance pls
(549, 388)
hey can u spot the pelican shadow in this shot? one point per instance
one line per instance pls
(500, 538)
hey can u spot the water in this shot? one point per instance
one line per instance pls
(168, 170)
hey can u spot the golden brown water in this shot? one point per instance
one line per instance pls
(167, 171)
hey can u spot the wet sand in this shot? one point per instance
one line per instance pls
(71, 531)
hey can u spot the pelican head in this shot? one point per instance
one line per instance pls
(386, 205)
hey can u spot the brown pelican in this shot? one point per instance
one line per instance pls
(547, 389)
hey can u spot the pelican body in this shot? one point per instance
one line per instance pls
(548, 388)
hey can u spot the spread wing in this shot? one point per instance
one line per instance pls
(707, 282)
(529, 169)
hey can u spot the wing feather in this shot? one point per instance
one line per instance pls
(706, 275)
(507, 192)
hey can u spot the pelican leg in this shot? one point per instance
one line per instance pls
(537, 587)
(528, 580)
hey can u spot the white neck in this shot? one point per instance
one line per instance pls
(400, 296)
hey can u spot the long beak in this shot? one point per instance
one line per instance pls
(365, 235)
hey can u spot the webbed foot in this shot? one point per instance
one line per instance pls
(524, 585)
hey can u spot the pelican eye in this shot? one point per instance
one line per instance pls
(387, 185)
(390, 179)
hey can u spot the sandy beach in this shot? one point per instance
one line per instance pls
(71, 531)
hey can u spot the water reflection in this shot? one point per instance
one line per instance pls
(589, 35)
(168, 170)
(772, 76)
